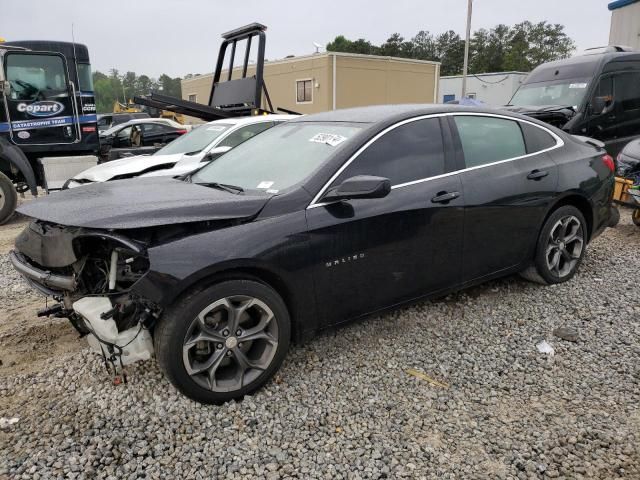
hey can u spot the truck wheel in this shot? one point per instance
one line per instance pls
(8, 198)
(223, 342)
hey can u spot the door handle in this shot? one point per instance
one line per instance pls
(537, 174)
(445, 197)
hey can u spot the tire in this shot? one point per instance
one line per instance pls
(205, 359)
(614, 219)
(8, 198)
(560, 247)
(635, 217)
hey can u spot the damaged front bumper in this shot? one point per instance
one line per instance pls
(40, 276)
(91, 274)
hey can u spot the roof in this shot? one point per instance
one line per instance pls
(251, 119)
(380, 113)
(486, 74)
(620, 3)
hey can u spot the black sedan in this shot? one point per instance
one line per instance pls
(138, 136)
(324, 219)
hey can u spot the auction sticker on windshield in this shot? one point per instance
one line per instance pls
(328, 138)
(265, 184)
(578, 85)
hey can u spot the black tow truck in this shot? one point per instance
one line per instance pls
(595, 95)
(47, 109)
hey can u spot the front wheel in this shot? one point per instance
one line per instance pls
(223, 342)
(560, 247)
(8, 198)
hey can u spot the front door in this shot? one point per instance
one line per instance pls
(509, 181)
(40, 101)
(620, 122)
(374, 253)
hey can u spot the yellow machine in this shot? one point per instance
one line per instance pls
(131, 107)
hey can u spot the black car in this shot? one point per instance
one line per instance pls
(628, 161)
(318, 221)
(596, 95)
(138, 136)
(108, 120)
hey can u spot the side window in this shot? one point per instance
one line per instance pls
(412, 151)
(627, 91)
(536, 139)
(244, 133)
(489, 139)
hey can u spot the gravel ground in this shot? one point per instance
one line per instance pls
(344, 406)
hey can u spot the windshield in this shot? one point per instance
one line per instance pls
(111, 131)
(567, 92)
(279, 157)
(194, 141)
(36, 76)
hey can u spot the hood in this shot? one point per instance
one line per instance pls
(141, 202)
(556, 115)
(127, 166)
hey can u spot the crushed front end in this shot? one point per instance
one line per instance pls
(90, 274)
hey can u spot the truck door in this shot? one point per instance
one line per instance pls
(620, 122)
(41, 105)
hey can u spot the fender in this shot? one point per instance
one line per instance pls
(17, 158)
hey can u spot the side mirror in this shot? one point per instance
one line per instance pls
(602, 105)
(215, 153)
(360, 186)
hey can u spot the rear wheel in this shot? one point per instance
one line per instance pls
(223, 342)
(560, 248)
(8, 198)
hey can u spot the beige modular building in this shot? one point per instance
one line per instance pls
(328, 81)
(625, 23)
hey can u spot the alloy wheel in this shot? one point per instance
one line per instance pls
(3, 197)
(564, 246)
(230, 343)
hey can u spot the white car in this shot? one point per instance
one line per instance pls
(185, 154)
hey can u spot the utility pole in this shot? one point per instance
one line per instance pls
(465, 68)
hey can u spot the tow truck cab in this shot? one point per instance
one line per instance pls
(47, 109)
(596, 95)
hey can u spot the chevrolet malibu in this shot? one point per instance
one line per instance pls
(321, 220)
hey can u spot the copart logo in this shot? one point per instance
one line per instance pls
(44, 108)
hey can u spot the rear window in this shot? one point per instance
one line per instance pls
(489, 139)
(536, 138)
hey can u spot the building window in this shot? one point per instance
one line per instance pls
(304, 91)
(193, 97)
(471, 95)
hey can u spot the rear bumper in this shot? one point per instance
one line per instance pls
(42, 277)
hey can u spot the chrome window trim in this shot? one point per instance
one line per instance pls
(559, 144)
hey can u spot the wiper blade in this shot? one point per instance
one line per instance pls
(223, 186)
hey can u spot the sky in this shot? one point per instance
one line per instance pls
(178, 37)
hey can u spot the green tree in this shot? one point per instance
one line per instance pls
(424, 46)
(450, 52)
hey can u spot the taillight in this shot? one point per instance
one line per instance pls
(608, 161)
(88, 129)
(181, 132)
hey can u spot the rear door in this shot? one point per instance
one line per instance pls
(373, 253)
(509, 181)
(40, 102)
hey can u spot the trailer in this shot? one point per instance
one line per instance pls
(229, 97)
(48, 117)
